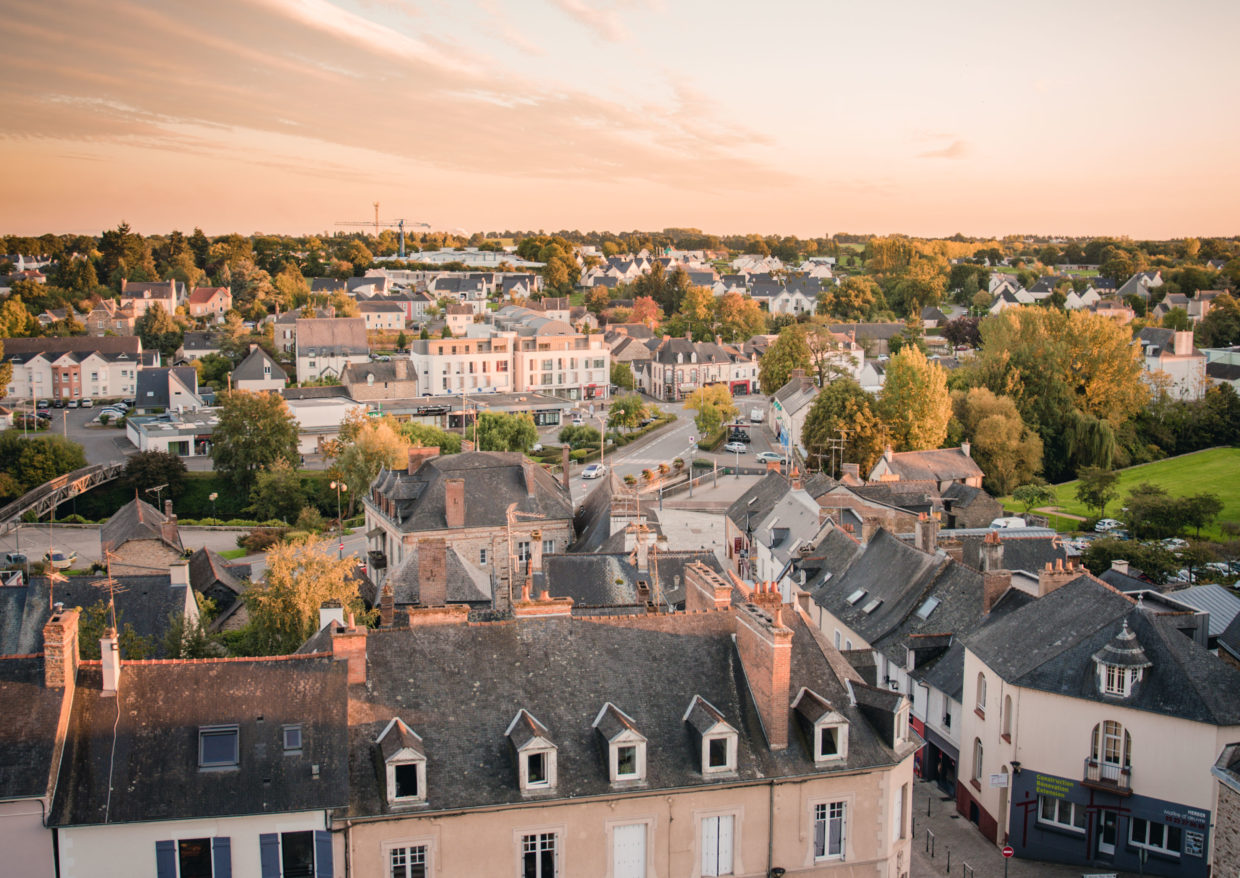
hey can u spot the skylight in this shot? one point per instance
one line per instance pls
(856, 596)
(928, 607)
(871, 606)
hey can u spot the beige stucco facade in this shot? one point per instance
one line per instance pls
(27, 845)
(773, 827)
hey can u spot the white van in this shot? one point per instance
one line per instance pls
(1012, 521)
(755, 416)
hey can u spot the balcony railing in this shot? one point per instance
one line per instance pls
(1107, 776)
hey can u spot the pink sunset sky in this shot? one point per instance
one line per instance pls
(789, 117)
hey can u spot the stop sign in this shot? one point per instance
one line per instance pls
(1008, 851)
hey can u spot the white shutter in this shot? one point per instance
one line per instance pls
(628, 846)
(725, 845)
(710, 846)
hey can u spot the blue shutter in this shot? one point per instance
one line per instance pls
(322, 854)
(166, 859)
(269, 855)
(221, 857)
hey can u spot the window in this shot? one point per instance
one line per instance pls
(548, 547)
(536, 769)
(1006, 721)
(981, 693)
(538, 855)
(292, 738)
(977, 760)
(217, 746)
(828, 742)
(482, 556)
(406, 775)
(1153, 836)
(407, 862)
(829, 825)
(837, 638)
(717, 753)
(626, 761)
(1112, 747)
(193, 858)
(1118, 681)
(717, 842)
(523, 551)
(295, 854)
(1061, 814)
(897, 830)
(847, 644)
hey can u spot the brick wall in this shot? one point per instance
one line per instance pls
(766, 655)
(1227, 832)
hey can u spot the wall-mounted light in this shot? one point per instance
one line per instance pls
(1015, 766)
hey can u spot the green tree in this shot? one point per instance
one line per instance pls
(1221, 325)
(95, 619)
(1007, 451)
(502, 431)
(790, 351)
(1177, 319)
(580, 436)
(147, 469)
(35, 460)
(1096, 487)
(713, 406)
(254, 431)
(402, 341)
(6, 369)
(1154, 561)
(854, 299)
(1032, 496)
(159, 331)
(213, 371)
(366, 446)
(914, 402)
(284, 606)
(277, 493)
(621, 375)
(429, 436)
(843, 410)
(1200, 510)
(626, 412)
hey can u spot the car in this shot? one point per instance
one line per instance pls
(88, 403)
(768, 457)
(43, 415)
(736, 448)
(58, 403)
(1105, 525)
(41, 404)
(129, 402)
(15, 559)
(60, 560)
(578, 420)
(536, 447)
(123, 405)
(73, 403)
(594, 471)
(1175, 544)
(739, 436)
(755, 416)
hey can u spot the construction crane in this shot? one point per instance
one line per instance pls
(393, 224)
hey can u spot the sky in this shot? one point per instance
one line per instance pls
(782, 117)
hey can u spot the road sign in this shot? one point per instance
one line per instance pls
(1008, 851)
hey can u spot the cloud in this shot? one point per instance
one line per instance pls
(604, 22)
(957, 149)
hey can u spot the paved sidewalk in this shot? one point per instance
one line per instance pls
(956, 836)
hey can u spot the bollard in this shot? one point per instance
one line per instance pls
(949, 860)
(929, 800)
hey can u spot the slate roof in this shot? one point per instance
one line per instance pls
(610, 580)
(935, 465)
(798, 392)
(1221, 603)
(201, 341)
(145, 602)
(764, 493)
(493, 481)
(1059, 634)
(326, 285)
(155, 387)
(31, 714)
(563, 671)
(467, 582)
(251, 368)
(136, 520)
(156, 743)
(207, 568)
(112, 348)
(332, 336)
(1020, 551)
(1229, 639)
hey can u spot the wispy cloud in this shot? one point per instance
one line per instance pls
(957, 149)
(604, 22)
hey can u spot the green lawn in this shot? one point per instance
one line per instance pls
(233, 554)
(1211, 471)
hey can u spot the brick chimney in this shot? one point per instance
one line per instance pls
(60, 649)
(927, 532)
(454, 502)
(995, 584)
(110, 656)
(432, 573)
(795, 476)
(456, 614)
(387, 606)
(765, 648)
(350, 645)
(542, 607)
(992, 552)
(419, 456)
(168, 527)
(565, 478)
(536, 552)
(1051, 578)
(766, 595)
(527, 472)
(1119, 566)
(705, 589)
(850, 469)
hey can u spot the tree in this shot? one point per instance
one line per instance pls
(277, 492)
(621, 374)
(15, 320)
(853, 299)
(95, 619)
(1007, 451)
(698, 309)
(790, 351)
(914, 402)
(1154, 561)
(1221, 325)
(646, 311)
(402, 341)
(1096, 487)
(367, 445)
(1176, 319)
(580, 436)
(843, 410)
(1033, 496)
(1200, 510)
(6, 369)
(714, 407)
(159, 331)
(429, 436)
(598, 299)
(626, 412)
(739, 317)
(254, 431)
(284, 606)
(501, 431)
(147, 469)
(963, 331)
(33, 461)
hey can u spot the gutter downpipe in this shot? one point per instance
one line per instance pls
(770, 829)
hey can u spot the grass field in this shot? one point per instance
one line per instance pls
(1214, 471)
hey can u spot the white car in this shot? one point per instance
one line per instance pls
(1107, 524)
(594, 471)
(736, 448)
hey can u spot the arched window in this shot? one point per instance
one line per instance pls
(981, 693)
(1111, 749)
(1007, 716)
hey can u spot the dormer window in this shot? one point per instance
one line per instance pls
(626, 747)
(1121, 664)
(217, 747)
(404, 760)
(535, 753)
(826, 728)
(718, 739)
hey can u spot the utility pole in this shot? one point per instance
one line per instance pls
(376, 219)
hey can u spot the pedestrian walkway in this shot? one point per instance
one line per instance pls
(956, 848)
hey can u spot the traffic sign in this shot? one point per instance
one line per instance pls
(1008, 851)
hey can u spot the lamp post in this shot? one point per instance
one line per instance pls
(213, 496)
(340, 486)
(738, 462)
(602, 439)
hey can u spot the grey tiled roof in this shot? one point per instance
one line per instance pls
(156, 741)
(31, 713)
(251, 368)
(136, 520)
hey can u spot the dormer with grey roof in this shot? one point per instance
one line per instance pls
(1120, 664)
(715, 737)
(824, 727)
(625, 746)
(404, 761)
(534, 752)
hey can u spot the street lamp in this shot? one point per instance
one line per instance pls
(738, 461)
(340, 486)
(212, 498)
(602, 439)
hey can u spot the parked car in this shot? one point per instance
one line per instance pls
(58, 403)
(755, 416)
(43, 415)
(739, 436)
(1105, 525)
(736, 448)
(60, 560)
(1175, 544)
(578, 420)
(129, 402)
(41, 404)
(73, 403)
(14, 559)
(768, 457)
(88, 403)
(594, 471)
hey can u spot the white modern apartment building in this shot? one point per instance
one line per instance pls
(79, 367)
(481, 363)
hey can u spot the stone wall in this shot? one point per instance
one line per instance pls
(1227, 832)
(143, 558)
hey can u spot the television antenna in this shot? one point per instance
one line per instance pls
(156, 491)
